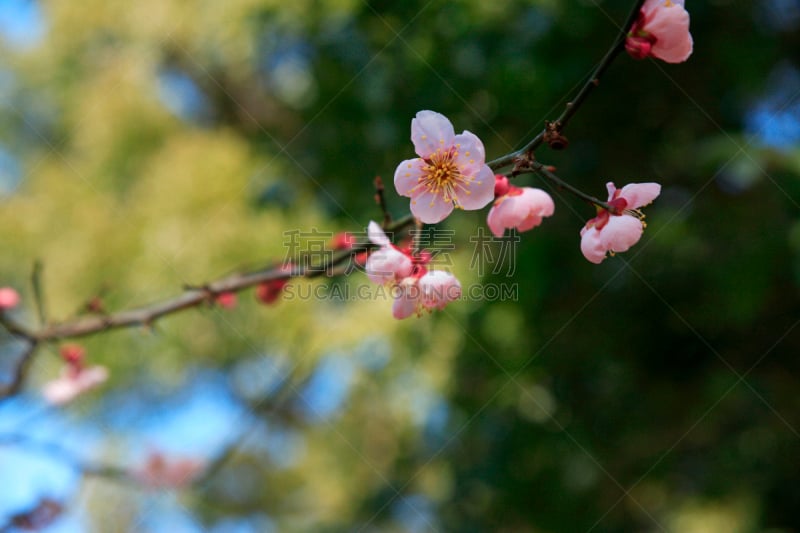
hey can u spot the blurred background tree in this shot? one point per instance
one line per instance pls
(146, 145)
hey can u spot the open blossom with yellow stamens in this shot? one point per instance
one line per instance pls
(449, 173)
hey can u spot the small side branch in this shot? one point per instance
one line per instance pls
(38, 291)
(572, 107)
(547, 173)
(380, 199)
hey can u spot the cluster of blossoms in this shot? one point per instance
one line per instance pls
(415, 288)
(451, 173)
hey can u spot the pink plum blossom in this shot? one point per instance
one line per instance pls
(449, 172)
(9, 298)
(387, 264)
(160, 472)
(73, 382)
(438, 288)
(75, 378)
(521, 208)
(432, 290)
(661, 31)
(414, 288)
(619, 229)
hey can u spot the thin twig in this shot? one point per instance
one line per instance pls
(546, 172)
(572, 107)
(19, 372)
(380, 199)
(38, 291)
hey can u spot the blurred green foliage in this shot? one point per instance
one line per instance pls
(165, 143)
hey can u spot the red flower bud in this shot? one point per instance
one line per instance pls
(501, 185)
(73, 354)
(226, 300)
(638, 47)
(268, 292)
(343, 241)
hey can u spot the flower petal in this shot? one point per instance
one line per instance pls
(388, 264)
(431, 208)
(376, 234)
(406, 299)
(640, 194)
(592, 246)
(407, 176)
(67, 386)
(430, 131)
(621, 232)
(611, 188)
(470, 155)
(538, 201)
(479, 190)
(494, 221)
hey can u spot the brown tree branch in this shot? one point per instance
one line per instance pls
(192, 297)
(572, 107)
(148, 315)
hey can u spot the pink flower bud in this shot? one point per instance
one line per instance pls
(73, 354)
(500, 185)
(519, 208)
(269, 291)
(9, 298)
(661, 31)
(343, 241)
(226, 300)
(438, 288)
